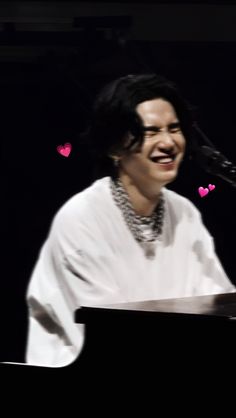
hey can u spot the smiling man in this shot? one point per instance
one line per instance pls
(126, 237)
(144, 174)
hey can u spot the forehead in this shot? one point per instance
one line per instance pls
(156, 111)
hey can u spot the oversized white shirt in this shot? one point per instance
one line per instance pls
(90, 258)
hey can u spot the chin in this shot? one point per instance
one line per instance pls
(166, 174)
(167, 178)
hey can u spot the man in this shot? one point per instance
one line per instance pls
(126, 237)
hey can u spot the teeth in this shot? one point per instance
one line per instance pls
(162, 160)
(165, 159)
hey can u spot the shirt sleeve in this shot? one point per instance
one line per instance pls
(70, 273)
(54, 339)
(212, 279)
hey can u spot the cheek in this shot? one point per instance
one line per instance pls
(145, 151)
(181, 142)
(132, 163)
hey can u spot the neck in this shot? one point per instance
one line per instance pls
(143, 201)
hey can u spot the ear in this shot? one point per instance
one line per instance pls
(115, 158)
(115, 154)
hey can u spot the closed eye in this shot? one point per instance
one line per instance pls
(174, 127)
(151, 131)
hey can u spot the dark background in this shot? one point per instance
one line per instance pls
(54, 57)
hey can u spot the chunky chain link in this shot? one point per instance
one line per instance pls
(143, 228)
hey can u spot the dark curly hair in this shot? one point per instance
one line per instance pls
(114, 116)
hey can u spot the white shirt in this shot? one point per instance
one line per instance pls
(90, 257)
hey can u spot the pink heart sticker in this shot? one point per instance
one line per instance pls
(64, 150)
(203, 192)
(211, 187)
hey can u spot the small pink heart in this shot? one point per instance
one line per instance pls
(211, 187)
(203, 192)
(64, 149)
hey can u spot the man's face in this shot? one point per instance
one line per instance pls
(163, 147)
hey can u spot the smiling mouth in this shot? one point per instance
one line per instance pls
(163, 160)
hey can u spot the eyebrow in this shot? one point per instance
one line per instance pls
(153, 128)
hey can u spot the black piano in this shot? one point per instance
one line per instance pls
(177, 334)
(159, 337)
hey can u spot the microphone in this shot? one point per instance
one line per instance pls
(213, 161)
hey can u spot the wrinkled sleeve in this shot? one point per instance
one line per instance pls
(54, 339)
(212, 279)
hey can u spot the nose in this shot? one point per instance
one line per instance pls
(166, 141)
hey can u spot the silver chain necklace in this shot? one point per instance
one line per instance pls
(145, 229)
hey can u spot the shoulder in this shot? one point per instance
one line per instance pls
(181, 205)
(83, 202)
(80, 209)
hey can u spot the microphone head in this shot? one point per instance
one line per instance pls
(216, 163)
(212, 160)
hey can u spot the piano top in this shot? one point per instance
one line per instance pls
(221, 306)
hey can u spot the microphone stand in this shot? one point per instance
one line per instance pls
(212, 160)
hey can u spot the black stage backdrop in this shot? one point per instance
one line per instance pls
(54, 58)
